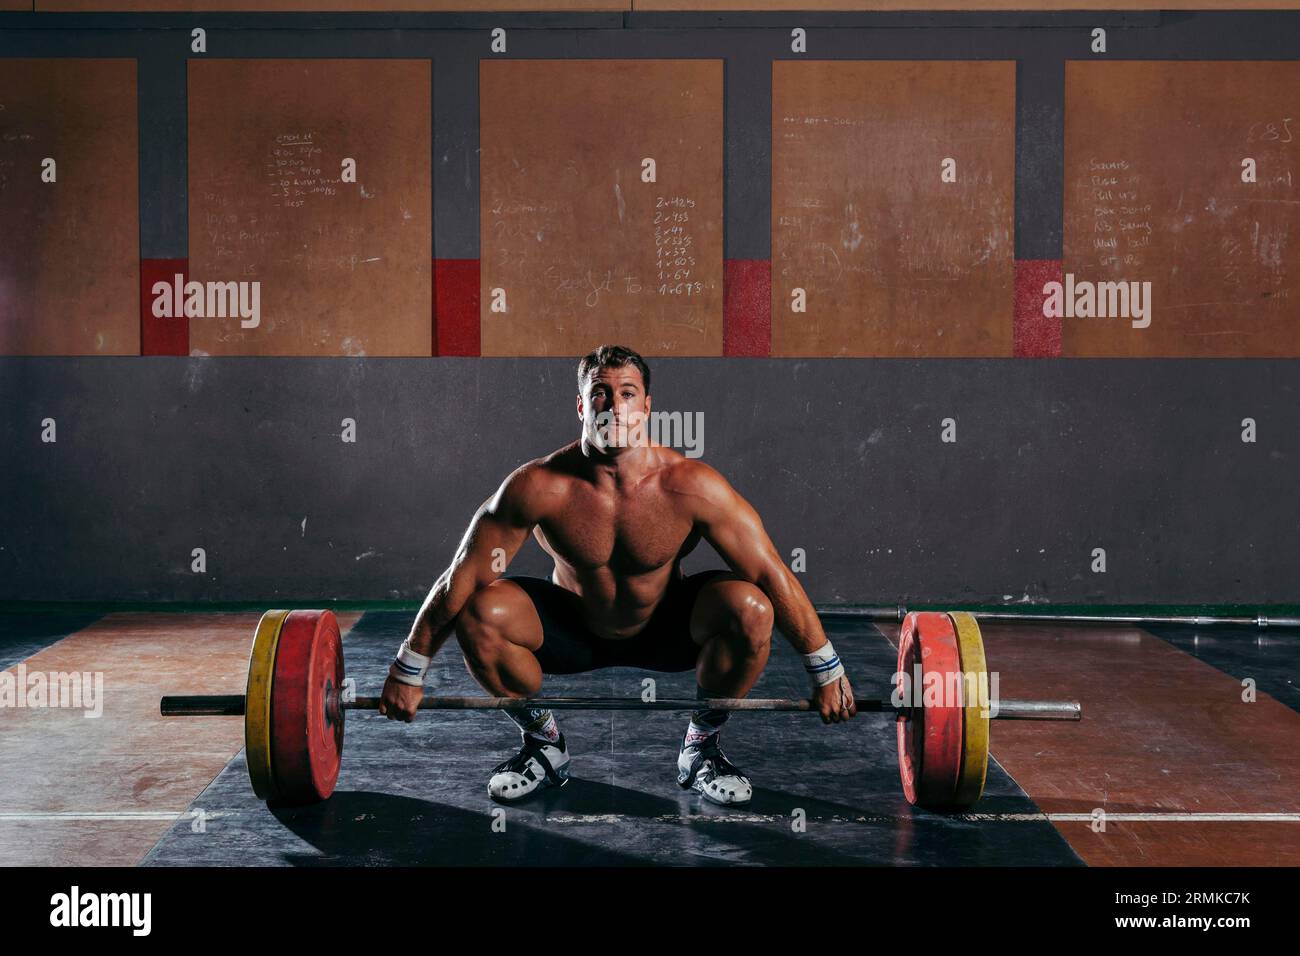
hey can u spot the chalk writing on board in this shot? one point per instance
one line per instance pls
(526, 237)
(245, 234)
(821, 121)
(1121, 216)
(1271, 131)
(293, 171)
(524, 220)
(675, 247)
(590, 285)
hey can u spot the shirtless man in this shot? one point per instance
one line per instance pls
(618, 516)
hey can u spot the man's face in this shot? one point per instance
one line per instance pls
(614, 408)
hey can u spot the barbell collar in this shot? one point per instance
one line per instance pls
(203, 705)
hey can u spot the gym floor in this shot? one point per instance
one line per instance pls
(1185, 772)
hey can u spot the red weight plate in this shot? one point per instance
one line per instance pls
(910, 726)
(306, 722)
(930, 738)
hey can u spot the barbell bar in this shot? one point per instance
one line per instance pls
(886, 613)
(232, 705)
(294, 707)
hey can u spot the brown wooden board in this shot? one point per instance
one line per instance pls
(584, 250)
(345, 268)
(893, 261)
(70, 253)
(1153, 193)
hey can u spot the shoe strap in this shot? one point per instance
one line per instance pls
(533, 749)
(710, 750)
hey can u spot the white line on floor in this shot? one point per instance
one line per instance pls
(722, 816)
(725, 817)
(113, 816)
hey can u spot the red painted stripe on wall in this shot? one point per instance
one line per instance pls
(162, 336)
(456, 307)
(747, 307)
(1035, 336)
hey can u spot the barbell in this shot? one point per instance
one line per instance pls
(295, 702)
(887, 613)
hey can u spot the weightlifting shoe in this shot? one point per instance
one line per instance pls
(539, 764)
(704, 769)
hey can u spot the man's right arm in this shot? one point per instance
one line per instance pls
(495, 534)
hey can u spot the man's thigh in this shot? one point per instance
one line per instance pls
(568, 644)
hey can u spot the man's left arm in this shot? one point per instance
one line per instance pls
(730, 523)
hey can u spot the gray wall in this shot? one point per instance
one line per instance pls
(156, 456)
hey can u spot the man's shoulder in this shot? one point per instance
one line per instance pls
(560, 464)
(691, 476)
(541, 475)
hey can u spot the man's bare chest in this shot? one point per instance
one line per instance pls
(629, 532)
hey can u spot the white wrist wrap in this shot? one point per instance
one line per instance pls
(823, 665)
(409, 667)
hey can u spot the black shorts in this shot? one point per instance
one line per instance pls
(570, 647)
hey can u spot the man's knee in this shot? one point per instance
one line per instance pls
(482, 622)
(751, 619)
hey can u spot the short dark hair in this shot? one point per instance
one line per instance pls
(612, 356)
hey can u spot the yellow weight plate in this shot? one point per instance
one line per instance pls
(975, 723)
(257, 704)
